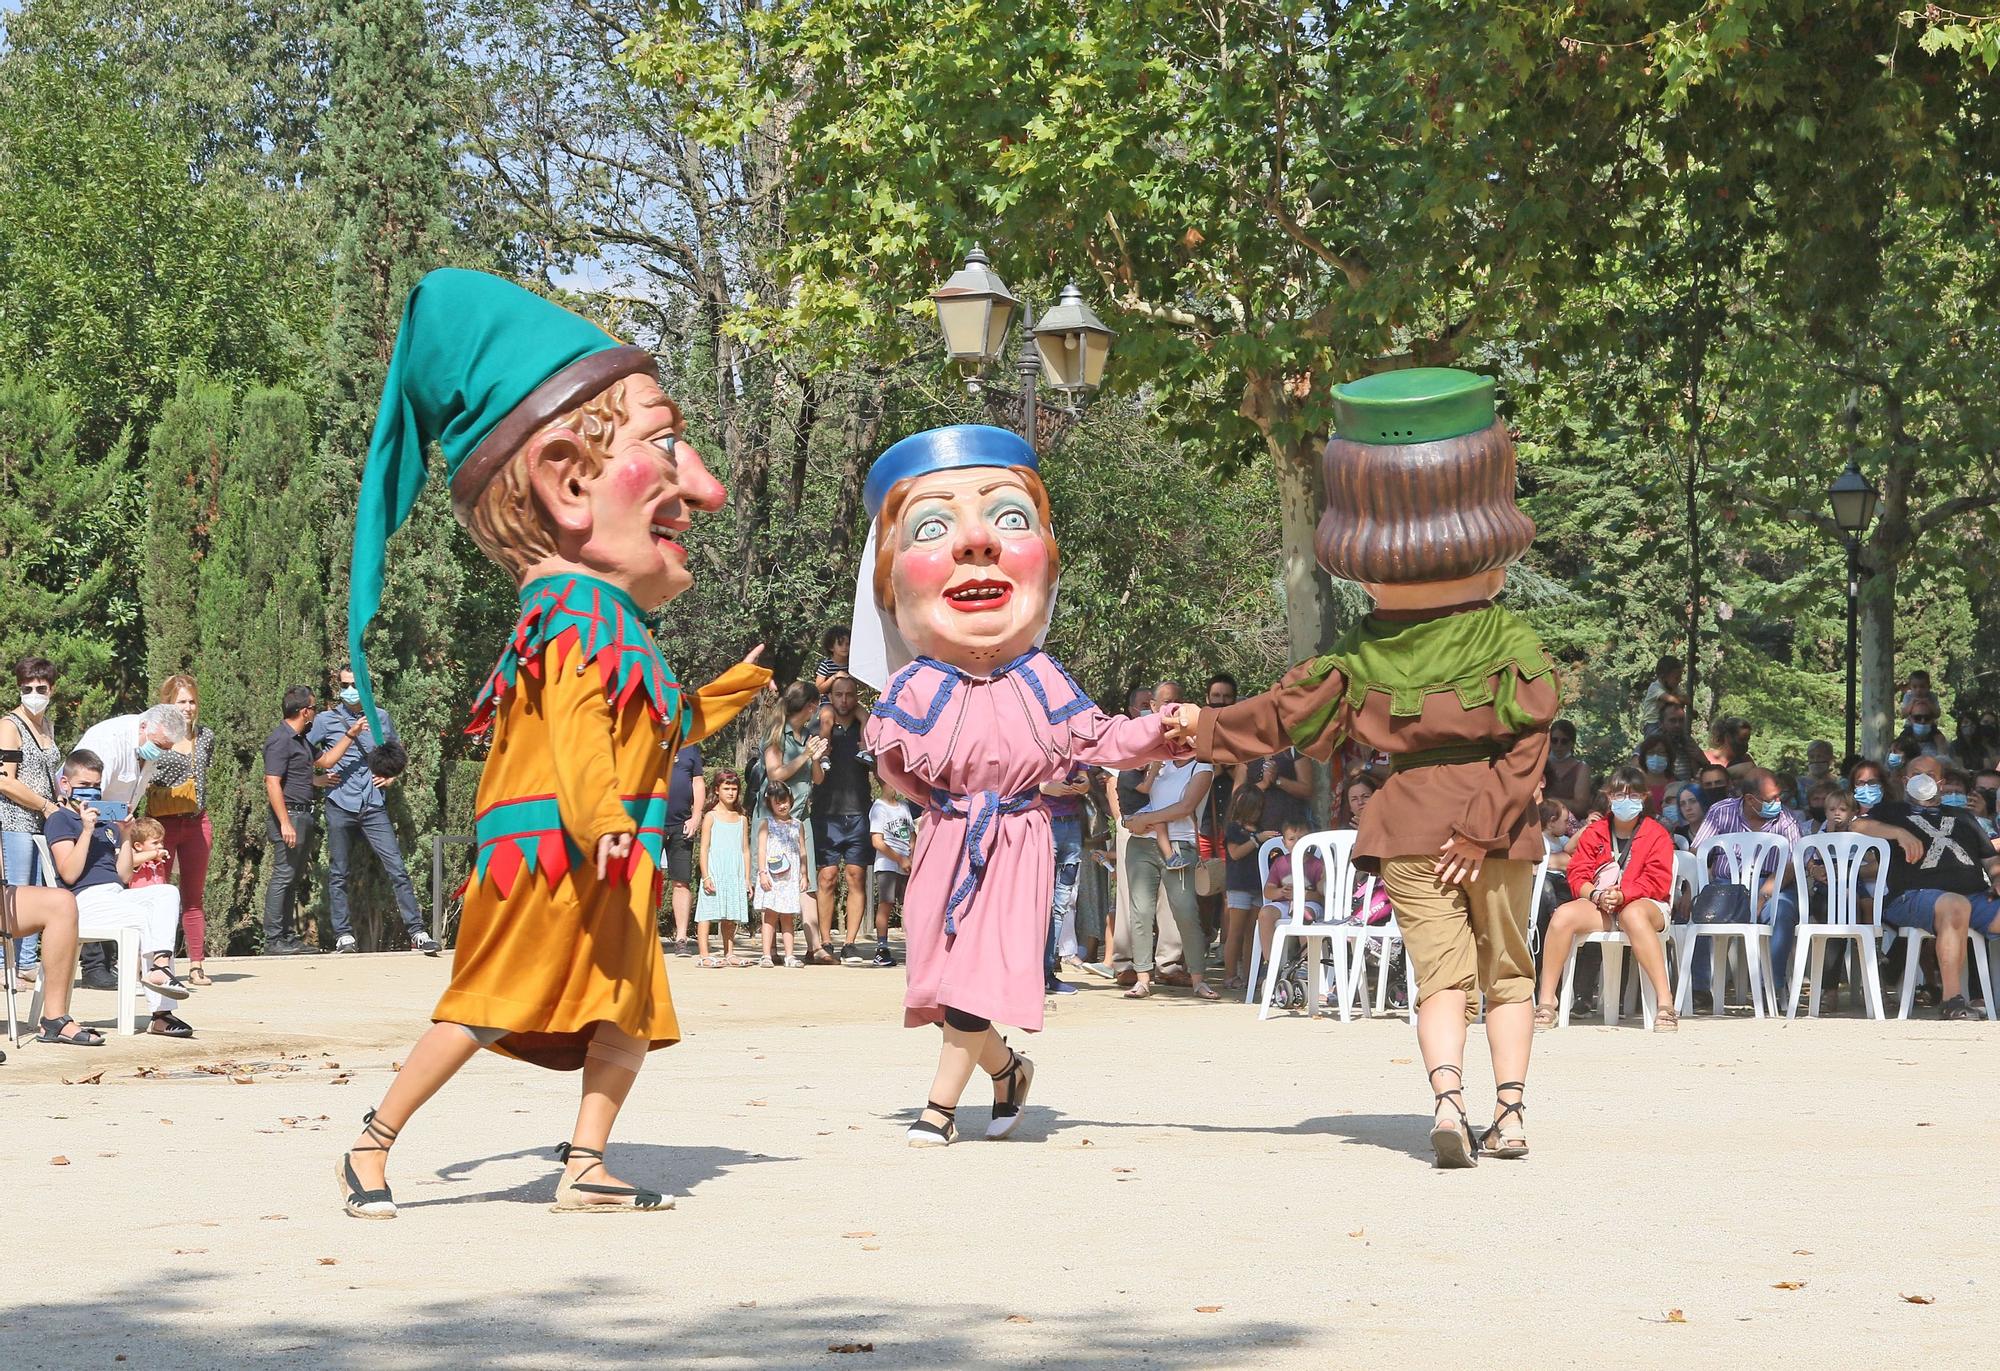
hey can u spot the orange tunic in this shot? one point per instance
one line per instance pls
(547, 949)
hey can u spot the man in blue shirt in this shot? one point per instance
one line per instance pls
(362, 768)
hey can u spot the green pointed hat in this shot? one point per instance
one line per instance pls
(480, 363)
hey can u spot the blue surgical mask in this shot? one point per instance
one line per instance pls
(1868, 796)
(1920, 730)
(350, 696)
(150, 751)
(1771, 809)
(1656, 762)
(1626, 808)
(1956, 801)
(1895, 760)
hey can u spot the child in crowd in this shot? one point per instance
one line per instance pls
(781, 850)
(834, 647)
(150, 863)
(1171, 859)
(1242, 840)
(725, 870)
(892, 828)
(1278, 883)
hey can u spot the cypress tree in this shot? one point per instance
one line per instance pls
(387, 178)
(183, 468)
(261, 628)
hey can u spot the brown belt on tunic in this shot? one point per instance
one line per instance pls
(1450, 755)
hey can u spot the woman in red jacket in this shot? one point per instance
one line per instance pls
(1621, 870)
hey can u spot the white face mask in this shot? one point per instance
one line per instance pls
(34, 701)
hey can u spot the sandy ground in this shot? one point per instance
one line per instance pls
(1190, 1188)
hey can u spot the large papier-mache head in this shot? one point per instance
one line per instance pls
(554, 436)
(1419, 480)
(961, 562)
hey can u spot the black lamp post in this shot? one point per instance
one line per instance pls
(1853, 499)
(1066, 351)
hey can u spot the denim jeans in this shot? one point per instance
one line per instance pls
(288, 875)
(375, 827)
(1066, 832)
(1781, 915)
(24, 868)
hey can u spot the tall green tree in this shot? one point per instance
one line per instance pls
(184, 461)
(260, 628)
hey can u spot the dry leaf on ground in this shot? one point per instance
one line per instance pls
(189, 1251)
(147, 1072)
(1918, 1299)
(1121, 1170)
(1789, 1285)
(240, 1080)
(329, 1261)
(850, 1347)
(1019, 1318)
(94, 1078)
(871, 1247)
(270, 1216)
(1801, 1251)
(1208, 1309)
(58, 1161)
(1357, 1232)
(1676, 1316)
(860, 1233)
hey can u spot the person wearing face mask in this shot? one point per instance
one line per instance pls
(1566, 776)
(357, 808)
(1758, 808)
(138, 752)
(1920, 737)
(1818, 772)
(182, 810)
(30, 762)
(1943, 875)
(1621, 872)
(1656, 759)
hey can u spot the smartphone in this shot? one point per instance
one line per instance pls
(110, 811)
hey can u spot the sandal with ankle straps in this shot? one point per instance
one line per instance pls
(1007, 1112)
(1495, 1142)
(360, 1203)
(1452, 1144)
(569, 1187)
(924, 1133)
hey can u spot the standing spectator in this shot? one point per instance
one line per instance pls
(1656, 758)
(781, 863)
(795, 758)
(892, 831)
(1666, 681)
(1064, 799)
(1243, 837)
(137, 751)
(363, 768)
(840, 820)
(1621, 873)
(1177, 792)
(1687, 758)
(1286, 779)
(1355, 794)
(182, 811)
(1920, 737)
(30, 766)
(1566, 776)
(1944, 876)
(1135, 787)
(725, 872)
(687, 801)
(1759, 807)
(288, 789)
(94, 861)
(1209, 840)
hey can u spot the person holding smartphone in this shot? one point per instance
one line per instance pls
(94, 860)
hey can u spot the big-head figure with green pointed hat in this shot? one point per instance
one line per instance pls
(1454, 689)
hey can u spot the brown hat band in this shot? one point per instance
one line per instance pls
(562, 392)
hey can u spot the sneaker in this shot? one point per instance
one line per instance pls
(99, 980)
(793, 961)
(346, 944)
(1055, 987)
(1955, 1008)
(426, 944)
(285, 947)
(850, 955)
(883, 957)
(1180, 861)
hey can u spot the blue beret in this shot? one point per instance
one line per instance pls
(944, 449)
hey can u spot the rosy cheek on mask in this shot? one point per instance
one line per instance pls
(635, 481)
(922, 572)
(1025, 560)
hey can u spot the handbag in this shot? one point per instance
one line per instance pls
(1211, 876)
(1721, 903)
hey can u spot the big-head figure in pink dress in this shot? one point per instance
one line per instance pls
(950, 608)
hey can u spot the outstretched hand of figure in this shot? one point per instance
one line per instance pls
(750, 659)
(1459, 861)
(612, 847)
(1181, 721)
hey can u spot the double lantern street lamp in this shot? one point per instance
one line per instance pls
(1065, 350)
(1853, 499)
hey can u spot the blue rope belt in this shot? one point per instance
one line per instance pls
(979, 810)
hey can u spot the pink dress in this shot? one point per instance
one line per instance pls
(974, 752)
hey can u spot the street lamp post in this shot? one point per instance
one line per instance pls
(1853, 499)
(1066, 351)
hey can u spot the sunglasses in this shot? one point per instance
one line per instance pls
(1923, 718)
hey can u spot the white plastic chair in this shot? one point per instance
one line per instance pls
(1842, 855)
(1336, 851)
(1612, 991)
(101, 930)
(1913, 942)
(1748, 856)
(1271, 848)
(1535, 907)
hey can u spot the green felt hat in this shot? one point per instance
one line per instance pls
(1417, 405)
(479, 365)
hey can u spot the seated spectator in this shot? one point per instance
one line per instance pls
(1621, 872)
(1278, 884)
(1686, 811)
(1816, 807)
(28, 910)
(94, 861)
(1666, 683)
(1559, 827)
(1920, 736)
(1818, 772)
(1566, 776)
(1656, 758)
(1979, 802)
(1944, 876)
(1687, 758)
(1715, 784)
(1987, 785)
(1759, 807)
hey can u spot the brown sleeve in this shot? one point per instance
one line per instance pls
(1263, 724)
(1509, 792)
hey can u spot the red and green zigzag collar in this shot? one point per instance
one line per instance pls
(596, 618)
